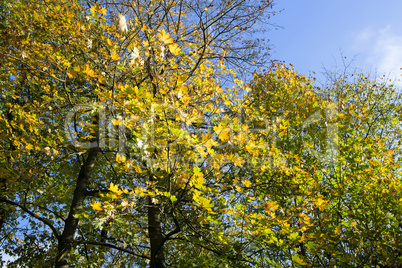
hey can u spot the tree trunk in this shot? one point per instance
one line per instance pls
(155, 235)
(3, 211)
(70, 226)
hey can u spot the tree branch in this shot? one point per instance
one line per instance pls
(45, 221)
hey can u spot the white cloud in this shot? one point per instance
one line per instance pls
(382, 51)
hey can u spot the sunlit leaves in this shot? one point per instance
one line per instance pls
(115, 55)
(114, 189)
(324, 194)
(174, 49)
(223, 132)
(96, 205)
(233, 170)
(164, 37)
(89, 71)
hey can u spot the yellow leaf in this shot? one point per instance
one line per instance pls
(103, 11)
(299, 260)
(164, 37)
(174, 49)
(109, 42)
(114, 189)
(101, 79)
(224, 135)
(96, 205)
(200, 178)
(115, 56)
(89, 71)
(354, 225)
(247, 183)
(272, 206)
(338, 230)
(70, 75)
(384, 192)
(390, 154)
(183, 178)
(163, 90)
(93, 9)
(219, 89)
(320, 203)
(202, 202)
(120, 157)
(202, 152)
(238, 161)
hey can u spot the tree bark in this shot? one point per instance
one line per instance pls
(155, 235)
(66, 240)
(3, 211)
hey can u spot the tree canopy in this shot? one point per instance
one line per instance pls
(141, 134)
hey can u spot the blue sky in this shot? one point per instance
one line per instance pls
(315, 32)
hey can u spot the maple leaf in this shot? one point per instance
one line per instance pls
(199, 178)
(115, 56)
(320, 203)
(390, 154)
(89, 71)
(247, 183)
(103, 11)
(125, 191)
(93, 9)
(164, 37)
(238, 188)
(272, 206)
(114, 189)
(174, 49)
(223, 133)
(120, 157)
(96, 205)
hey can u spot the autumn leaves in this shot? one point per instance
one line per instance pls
(165, 37)
(168, 156)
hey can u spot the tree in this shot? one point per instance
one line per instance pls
(104, 193)
(335, 198)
